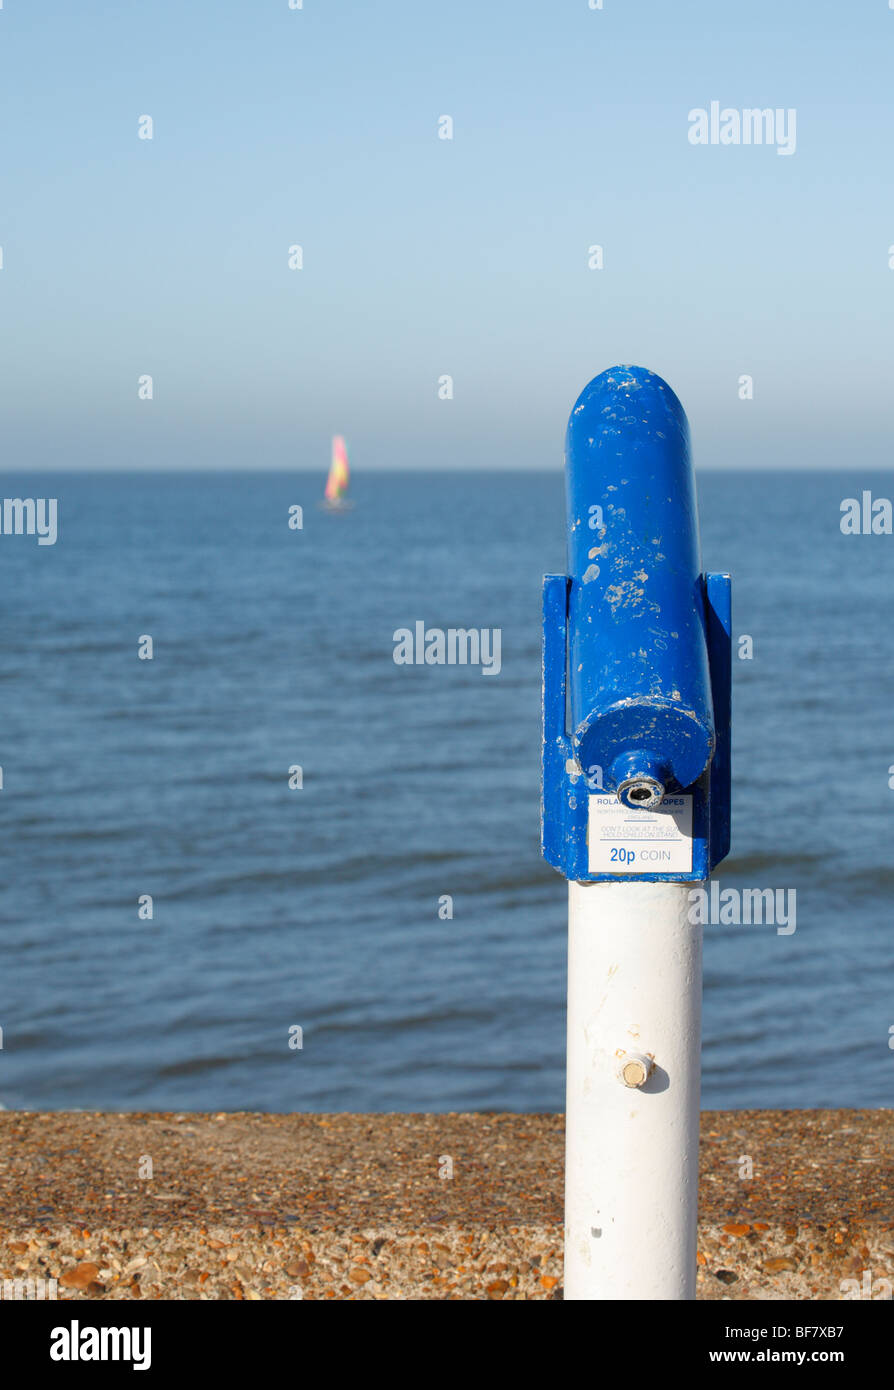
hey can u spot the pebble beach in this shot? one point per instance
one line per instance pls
(794, 1204)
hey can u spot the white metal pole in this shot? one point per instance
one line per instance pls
(631, 1157)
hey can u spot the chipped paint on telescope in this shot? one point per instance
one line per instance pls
(639, 633)
(637, 658)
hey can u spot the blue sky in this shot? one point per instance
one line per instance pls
(424, 257)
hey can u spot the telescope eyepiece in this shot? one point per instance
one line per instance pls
(640, 779)
(641, 793)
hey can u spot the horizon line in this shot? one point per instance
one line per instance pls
(362, 471)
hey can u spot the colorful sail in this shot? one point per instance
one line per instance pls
(339, 473)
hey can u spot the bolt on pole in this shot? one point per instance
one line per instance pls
(635, 811)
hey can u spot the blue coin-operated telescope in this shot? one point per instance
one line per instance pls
(636, 651)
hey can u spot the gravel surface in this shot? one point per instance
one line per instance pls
(246, 1206)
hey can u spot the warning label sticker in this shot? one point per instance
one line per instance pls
(624, 841)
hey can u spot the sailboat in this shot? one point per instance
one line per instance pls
(334, 499)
